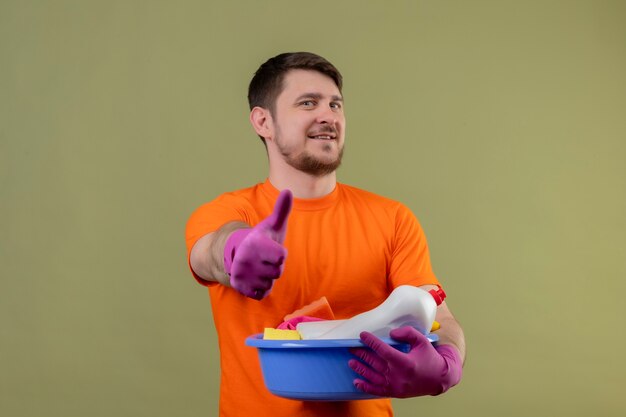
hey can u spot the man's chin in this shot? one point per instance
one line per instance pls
(317, 167)
(325, 146)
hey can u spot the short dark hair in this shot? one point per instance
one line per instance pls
(267, 83)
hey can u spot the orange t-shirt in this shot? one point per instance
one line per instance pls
(352, 246)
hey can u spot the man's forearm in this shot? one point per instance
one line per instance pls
(207, 255)
(451, 333)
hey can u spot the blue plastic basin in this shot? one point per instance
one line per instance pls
(313, 369)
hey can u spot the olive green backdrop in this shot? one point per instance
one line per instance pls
(501, 124)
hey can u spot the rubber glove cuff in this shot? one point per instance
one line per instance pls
(233, 241)
(455, 366)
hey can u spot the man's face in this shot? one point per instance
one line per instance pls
(309, 123)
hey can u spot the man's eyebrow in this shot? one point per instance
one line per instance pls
(317, 96)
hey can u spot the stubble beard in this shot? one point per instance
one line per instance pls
(308, 163)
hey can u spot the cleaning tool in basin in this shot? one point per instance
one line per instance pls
(406, 306)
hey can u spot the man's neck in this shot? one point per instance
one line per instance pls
(301, 184)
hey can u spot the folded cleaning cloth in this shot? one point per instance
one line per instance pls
(292, 322)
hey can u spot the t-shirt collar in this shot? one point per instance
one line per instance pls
(304, 203)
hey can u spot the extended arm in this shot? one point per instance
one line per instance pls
(207, 255)
(247, 259)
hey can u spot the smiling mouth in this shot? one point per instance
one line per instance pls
(322, 137)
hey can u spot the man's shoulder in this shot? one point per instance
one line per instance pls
(243, 199)
(241, 204)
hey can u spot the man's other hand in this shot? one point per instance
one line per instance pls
(387, 372)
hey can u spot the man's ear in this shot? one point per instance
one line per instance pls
(262, 122)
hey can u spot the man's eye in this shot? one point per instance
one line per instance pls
(335, 105)
(307, 103)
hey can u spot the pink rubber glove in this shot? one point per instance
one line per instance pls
(255, 257)
(424, 370)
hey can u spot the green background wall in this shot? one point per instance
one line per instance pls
(501, 124)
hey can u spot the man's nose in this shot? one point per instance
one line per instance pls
(327, 115)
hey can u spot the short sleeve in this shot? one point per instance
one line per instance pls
(410, 262)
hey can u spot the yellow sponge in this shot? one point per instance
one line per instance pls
(276, 334)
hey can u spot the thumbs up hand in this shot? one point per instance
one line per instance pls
(255, 257)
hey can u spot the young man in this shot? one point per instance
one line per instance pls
(270, 249)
